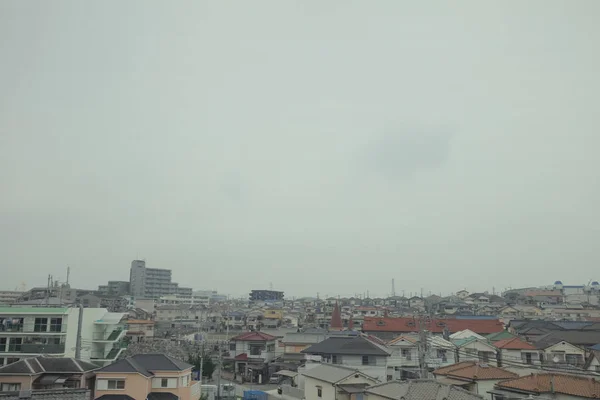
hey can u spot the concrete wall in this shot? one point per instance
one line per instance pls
(52, 394)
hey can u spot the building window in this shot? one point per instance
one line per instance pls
(116, 384)
(334, 359)
(319, 391)
(441, 353)
(231, 346)
(406, 354)
(164, 382)
(11, 387)
(55, 324)
(365, 360)
(40, 325)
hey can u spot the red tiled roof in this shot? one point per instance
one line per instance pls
(514, 344)
(241, 357)
(473, 370)
(404, 324)
(254, 337)
(559, 383)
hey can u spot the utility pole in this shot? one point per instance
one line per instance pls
(393, 288)
(423, 348)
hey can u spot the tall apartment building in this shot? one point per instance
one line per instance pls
(153, 283)
(31, 331)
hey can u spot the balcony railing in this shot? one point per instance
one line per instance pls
(43, 348)
(107, 336)
(34, 328)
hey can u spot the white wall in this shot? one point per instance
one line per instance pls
(310, 389)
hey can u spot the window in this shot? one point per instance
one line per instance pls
(11, 387)
(334, 359)
(365, 360)
(271, 347)
(40, 325)
(164, 382)
(441, 353)
(116, 384)
(232, 346)
(319, 391)
(55, 324)
(406, 354)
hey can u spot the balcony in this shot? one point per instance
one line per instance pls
(32, 348)
(108, 336)
(34, 328)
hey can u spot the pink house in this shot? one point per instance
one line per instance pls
(147, 376)
(41, 372)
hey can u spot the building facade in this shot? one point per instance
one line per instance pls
(152, 283)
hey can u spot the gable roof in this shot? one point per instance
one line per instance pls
(463, 342)
(254, 337)
(409, 339)
(473, 370)
(351, 345)
(494, 337)
(514, 344)
(559, 383)
(146, 364)
(409, 324)
(332, 373)
(576, 338)
(42, 364)
(464, 334)
(420, 389)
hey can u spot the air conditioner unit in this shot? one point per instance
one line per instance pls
(25, 394)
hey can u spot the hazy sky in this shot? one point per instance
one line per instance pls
(322, 146)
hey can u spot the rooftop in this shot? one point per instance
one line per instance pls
(473, 370)
(146, 364)
(514, 344)
(420, 389)
(559, 383)
(355, 345)
(42, 364)
(254, 336)
(331, 373)
(33, 310)
(403, 324)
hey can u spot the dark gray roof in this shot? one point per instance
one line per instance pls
(161, 396)
(577, 338)
(115, 397)
(40, 364)
(146, 363)
(350, 345)
(420, 389)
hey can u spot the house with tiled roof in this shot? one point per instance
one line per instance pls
(473, 349)
(514, 351)
(404, 361)
(353, 350)
(494, 337)
(473, 376)
(146, 376)
(326, 381)
(557, 386)
(418, 389)
(388, 328)
(43, 373)
(250, 353)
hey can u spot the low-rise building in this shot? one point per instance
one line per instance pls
(473, 376)
(473, 349)
(404, 361)
(47, 373)
(147, 376)
(516, 351)
(355, 351)
(250, 353)
(139, 330)
(330, 382)
(425, 389)
(557, 386)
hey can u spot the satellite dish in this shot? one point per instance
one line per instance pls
(556, 359)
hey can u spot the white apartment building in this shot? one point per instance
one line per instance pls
(31, 331)
(150, 282)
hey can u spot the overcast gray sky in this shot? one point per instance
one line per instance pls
(323, 146)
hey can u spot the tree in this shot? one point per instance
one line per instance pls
(208, 367)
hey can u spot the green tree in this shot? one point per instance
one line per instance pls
(208, 367)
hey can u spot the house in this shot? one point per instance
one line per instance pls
(473, 349)
(43, 373)
(295, 342)
(357, 351)
(422, 389)
(388, 327)
(561, 353)
(473, 376)
(334, 382)
(465, 334)
(558, 386)
(146, 376)
(462, 294)
(494, 337)
(404, 361)
(31, 331)
(139, 330)
(250, 353)
(416, 302)
(518, 311)
(515, 351)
